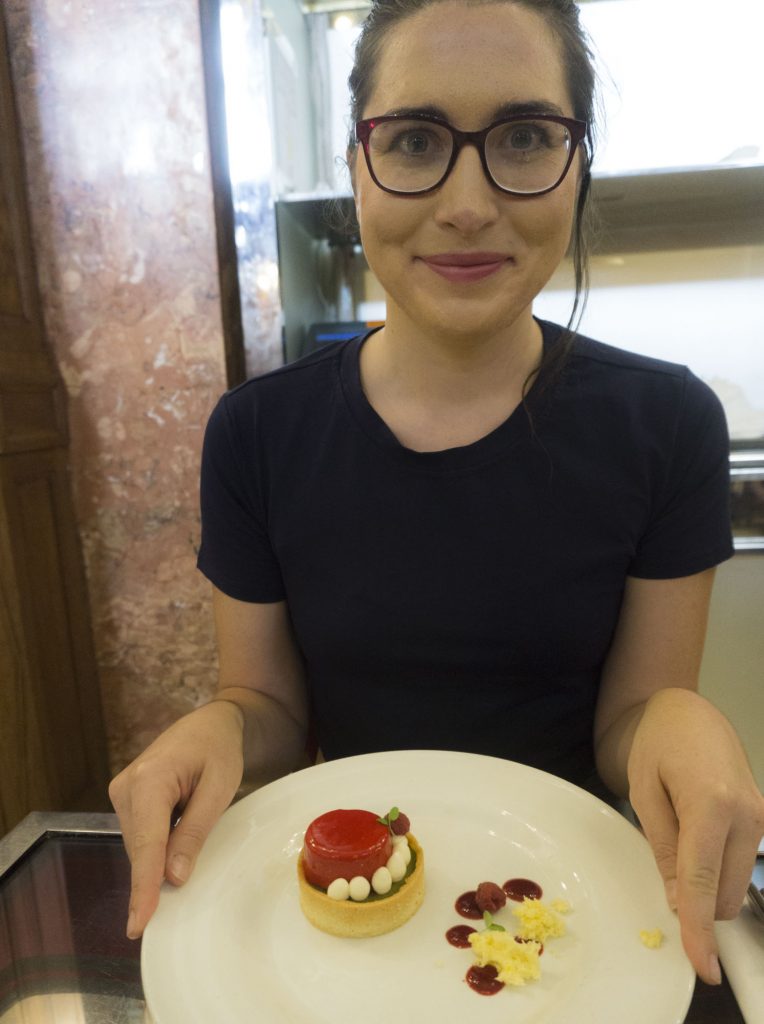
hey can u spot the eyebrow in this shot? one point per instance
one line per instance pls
(504, 110)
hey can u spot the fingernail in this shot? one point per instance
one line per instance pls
(180, 867)
(714, 970)
(131, 930)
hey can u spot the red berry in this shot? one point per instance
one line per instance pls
(401, 825)
(490, 897)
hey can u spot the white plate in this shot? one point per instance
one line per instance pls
(232, 945)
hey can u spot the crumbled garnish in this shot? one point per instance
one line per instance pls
(652, 939)
(516, 962)
(538, 921)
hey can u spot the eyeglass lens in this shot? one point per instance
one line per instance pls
(522, 156)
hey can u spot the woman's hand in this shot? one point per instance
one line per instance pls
(692, 788)
(195, 767)
(257, 723)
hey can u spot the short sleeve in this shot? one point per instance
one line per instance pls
(235, 552)
(689, 527)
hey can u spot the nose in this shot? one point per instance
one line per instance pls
(467, 200)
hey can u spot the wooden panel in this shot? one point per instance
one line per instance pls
(30, 419)
(57, 670)
(10, 288)
(49, 632)
(18, 286)
(23, 763)
(31, 392)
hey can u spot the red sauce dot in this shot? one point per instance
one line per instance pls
(483, 980)
(459, 935)
(466, 906)
(518, 888)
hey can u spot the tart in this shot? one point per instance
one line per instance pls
(360, 875)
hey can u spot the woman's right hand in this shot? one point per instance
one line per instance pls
(194, 768)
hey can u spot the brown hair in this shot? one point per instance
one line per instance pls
(562, 16)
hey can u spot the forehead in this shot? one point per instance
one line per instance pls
(468, 60)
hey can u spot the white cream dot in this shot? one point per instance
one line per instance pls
(381, 881)
(339, 889)
(359, 888)
(396, 866)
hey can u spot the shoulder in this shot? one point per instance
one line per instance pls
(295, 377)
(620, 361)
(597, 368)
(289, 397)
(609, 359)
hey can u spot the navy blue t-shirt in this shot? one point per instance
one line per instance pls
(463, 599)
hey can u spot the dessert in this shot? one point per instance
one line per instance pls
(360, 875)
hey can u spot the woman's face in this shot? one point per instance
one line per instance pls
(466, 63)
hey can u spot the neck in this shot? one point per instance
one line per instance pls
(451, 367)
(444, 391)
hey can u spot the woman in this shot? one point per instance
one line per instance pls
(468, 529)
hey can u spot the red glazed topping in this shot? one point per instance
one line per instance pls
(343, 844)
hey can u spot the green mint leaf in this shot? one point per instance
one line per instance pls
(490, 926)
(391, 815)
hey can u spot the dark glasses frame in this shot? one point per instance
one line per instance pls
(364, 128)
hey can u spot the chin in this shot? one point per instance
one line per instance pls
(469, 320)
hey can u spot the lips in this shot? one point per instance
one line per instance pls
(466, 266)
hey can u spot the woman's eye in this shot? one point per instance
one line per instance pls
(525, 137)
(413, 143)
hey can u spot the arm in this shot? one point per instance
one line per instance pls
(255, 724)
(260, 671)
(678, 758)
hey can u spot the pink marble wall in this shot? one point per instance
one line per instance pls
(112, 108)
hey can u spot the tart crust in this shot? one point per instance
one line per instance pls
(363, 920)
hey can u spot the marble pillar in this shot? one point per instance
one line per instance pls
(111, 101)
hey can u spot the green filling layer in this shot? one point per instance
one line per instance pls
(374, 896)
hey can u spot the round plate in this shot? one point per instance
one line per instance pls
(233, 945)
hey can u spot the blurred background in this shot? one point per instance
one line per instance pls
(175, 216)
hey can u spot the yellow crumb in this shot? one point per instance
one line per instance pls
(516, 962)
(560, 905)
(651, 939)
(538, 921)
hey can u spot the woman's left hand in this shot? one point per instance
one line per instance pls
(692, 788)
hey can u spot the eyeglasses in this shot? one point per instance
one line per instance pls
(526, 155)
